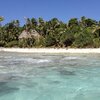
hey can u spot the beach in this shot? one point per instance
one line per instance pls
(51, 50)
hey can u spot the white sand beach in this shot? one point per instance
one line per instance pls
(51, 50)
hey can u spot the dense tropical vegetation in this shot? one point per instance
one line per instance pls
(82, 33)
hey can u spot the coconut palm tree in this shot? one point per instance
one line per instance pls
(1, 19)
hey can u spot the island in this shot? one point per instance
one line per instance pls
(38, 33)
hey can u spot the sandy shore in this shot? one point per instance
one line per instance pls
(50, 50)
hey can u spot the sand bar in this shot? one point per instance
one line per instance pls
(51, 50)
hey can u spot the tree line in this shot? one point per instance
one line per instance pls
(76, 33)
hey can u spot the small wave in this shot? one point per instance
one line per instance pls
(71, 58)
(37, 60)
(2, 66)
(29, 60)
(8, 57)
(43, 61)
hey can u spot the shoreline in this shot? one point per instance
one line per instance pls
(51, 50)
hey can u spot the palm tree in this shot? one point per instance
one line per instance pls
(73, 22)
(41, 21)
(33, 23)
(1, 19)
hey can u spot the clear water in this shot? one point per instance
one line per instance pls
(49, 77)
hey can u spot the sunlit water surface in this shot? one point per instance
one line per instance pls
(49, 77)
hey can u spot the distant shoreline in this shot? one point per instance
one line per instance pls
(51, 50)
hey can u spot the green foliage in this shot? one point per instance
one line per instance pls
(76, 33)
(73, 22)
(1, 18)
(40, 42)
(2, 43)
(96, 42)
(49, 40)
(83, 39)
(12, 44)
(26, 42)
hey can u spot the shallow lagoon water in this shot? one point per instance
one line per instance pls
(49, 77)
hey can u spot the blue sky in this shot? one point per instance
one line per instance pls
(62, 9)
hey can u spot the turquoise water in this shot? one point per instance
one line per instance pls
(49, 77)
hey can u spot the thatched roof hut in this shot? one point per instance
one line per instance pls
(33, 33)
(24, 35)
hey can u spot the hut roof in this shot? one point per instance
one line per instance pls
(25, 34)
(35, 33)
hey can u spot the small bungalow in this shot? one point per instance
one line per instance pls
(32, 34)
